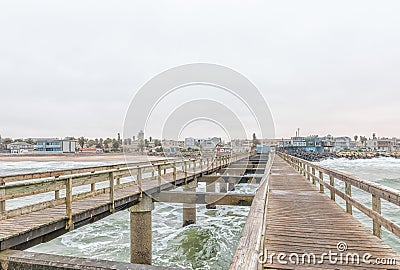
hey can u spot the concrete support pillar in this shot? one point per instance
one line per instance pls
(211, 188)
(189, 210)
(222, 187)
(141, 236)
(231, 184)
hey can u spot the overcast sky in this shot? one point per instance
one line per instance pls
(70, 68)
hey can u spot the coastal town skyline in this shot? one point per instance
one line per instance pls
(296, 133)
(143, 144)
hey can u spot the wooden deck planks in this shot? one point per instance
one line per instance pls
(46, 219)
(302, 220)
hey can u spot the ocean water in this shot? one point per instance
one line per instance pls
(208, 244)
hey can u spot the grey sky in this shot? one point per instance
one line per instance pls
(71, 67)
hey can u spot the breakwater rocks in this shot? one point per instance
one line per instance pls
(311, 156)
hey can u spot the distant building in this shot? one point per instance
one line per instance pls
(140, 135)
(382, 144)
(299, 142)
(190, 142)
(54, 146)
(396, 144)
(295, 144)
(314, 144)
(262, 149)
(172, 145)
(241, 146)
(341, 143)
(92, 150)
(209, 144)
(20, 148)
(328, 143)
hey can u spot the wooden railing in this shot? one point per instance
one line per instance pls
(251, 242)
(23, 185)
(377, 192)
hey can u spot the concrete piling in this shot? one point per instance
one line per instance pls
(141, 233)
(211, 188)
(189, 210)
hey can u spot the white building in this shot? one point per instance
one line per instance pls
(190, 142)
(20, 148)
(55, 146)
(210, 143)
(299, 142)
(241, 146)
(382, 144)
(341, 143)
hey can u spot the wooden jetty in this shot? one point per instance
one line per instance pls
(293, 225)
(294, 221)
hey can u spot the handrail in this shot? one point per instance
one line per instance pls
(251, 242)
(93, 175)
(377, 192)
(56, 173)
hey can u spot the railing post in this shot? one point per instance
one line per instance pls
(321, 185)
(56, 195)
(376, 207)
(201, 166)
(332, 183)
(93, 187)
(174, 173)
(165, 167)
(194, 169)
(349, 208)
(208, 164)
(68, 203)
(139, 181)
(2, 193)
(159, 176)
(185, 170)
(111, 178)
(313, 175)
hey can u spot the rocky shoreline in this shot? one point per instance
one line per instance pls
(311, 156)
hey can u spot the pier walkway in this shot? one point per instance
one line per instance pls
(302, 222)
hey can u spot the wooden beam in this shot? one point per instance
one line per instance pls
(228, 178)
(16, 259)
(216, 198)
